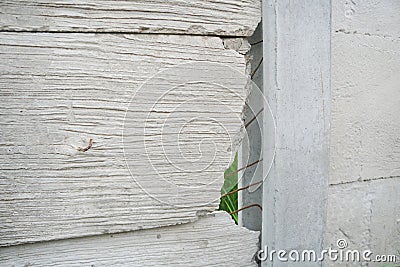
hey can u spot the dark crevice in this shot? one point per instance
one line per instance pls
(128, 32)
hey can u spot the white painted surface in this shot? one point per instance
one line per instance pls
(231, 17)
(297, 86)
(213, 240)
(60, 90)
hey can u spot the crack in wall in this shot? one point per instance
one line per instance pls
(360, 180)
(385, 36)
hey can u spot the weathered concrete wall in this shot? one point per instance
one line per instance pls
(210, 241)
(207, 17)
(76, 87)
(363, 196)
(297, 85)
(163, 113)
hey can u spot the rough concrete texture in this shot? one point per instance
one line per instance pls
(363, 198)
(202, 17)
(162, 111)
(213, 240)
(366, 215)
(365, 92)
(369, 17)
(365, 107)
(297, 85)
(144, 169)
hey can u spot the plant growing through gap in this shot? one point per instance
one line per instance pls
(229, 203)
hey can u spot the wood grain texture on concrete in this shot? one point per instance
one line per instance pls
(205, 17)
(164, 115)
(213, 240)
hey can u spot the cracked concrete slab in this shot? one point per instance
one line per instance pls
(213, 240)
(161, 140)
(200, 17)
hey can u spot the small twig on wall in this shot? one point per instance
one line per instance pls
(84, 149)
(246, 207)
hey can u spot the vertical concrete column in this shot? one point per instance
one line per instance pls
(297, 85)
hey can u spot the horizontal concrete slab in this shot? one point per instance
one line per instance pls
(206, 17)
(213, 240)
(163, 114)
